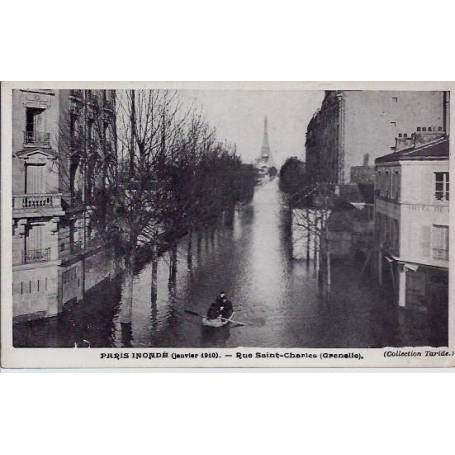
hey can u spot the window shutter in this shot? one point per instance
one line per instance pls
(425, 241)
(35, 179)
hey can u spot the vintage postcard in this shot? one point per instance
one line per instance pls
(226, 225)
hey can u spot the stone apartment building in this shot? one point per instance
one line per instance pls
(412, 224)
(54, 258)
(353, 124)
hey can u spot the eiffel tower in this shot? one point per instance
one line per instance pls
(265, 149)
(265, 158)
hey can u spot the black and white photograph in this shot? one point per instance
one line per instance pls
(229, 218)
(226, 226)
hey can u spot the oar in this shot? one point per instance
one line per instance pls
(223, 319)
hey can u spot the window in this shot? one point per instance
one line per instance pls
(34, 240)
(440, 242)
(395, 99)
(387, 184)
(35, 181)
(33, 119)
(418, 128)
(72, 232)
(441, 186)
(73, 178)
(395, 189)
(74, 130)
(33, 125)
(395, 237)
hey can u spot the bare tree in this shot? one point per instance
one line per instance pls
(311, 209)
(147, 175)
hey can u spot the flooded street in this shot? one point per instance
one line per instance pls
(277, 298)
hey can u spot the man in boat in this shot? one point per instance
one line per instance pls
(222, 307)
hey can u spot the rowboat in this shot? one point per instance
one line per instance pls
(217, 322)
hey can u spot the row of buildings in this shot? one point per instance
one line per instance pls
(54, 250)
(389, 151)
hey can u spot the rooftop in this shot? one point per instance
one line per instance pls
(435, 150)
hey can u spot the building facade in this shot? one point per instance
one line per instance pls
(412, 224)
(55, 257)
(352, 124)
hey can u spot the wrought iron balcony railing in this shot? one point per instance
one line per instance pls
(37, 138)
(37, 201)
(41, 255)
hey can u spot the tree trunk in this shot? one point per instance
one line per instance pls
(229, 215)
(189, 255)
(315, 252)
(154, 282)
(199, 241)
(173, 264)
(308, 237)
(126, 308)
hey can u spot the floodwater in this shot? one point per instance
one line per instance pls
(277, 298)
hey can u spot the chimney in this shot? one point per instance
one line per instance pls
(366, 159)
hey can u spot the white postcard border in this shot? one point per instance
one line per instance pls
(198, 357)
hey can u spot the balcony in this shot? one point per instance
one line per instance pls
(37, 201)
(36, 139)
(31, 256)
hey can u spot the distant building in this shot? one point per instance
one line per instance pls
(52, 248)
(363, 174)
(412, 224)
(351, 124)
(350, 225)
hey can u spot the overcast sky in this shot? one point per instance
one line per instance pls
(238, 116)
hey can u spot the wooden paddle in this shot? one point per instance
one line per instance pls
(223, 319)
